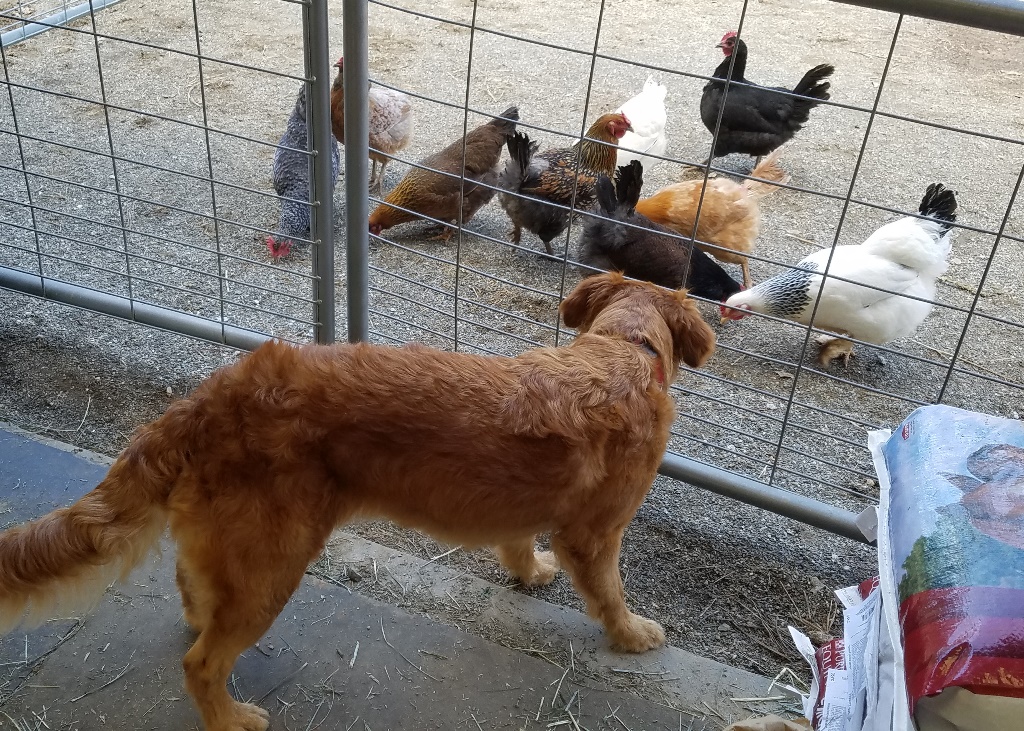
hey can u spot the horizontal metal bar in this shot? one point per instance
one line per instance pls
(1002, 16)
(164, 318)
(734, 453)
(783, 502)
(59, 19)
(136, 277)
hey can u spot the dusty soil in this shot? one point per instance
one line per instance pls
(723, 578)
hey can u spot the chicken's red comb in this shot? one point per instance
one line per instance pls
(340, 63)
(728, 36)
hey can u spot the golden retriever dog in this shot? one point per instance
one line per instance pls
(254, 470)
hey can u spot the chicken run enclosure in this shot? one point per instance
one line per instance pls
(138, 143)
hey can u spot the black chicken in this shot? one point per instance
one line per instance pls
(652, 251)
(757, 119)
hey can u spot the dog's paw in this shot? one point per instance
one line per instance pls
(545, 566)
(638, 635)
(245, 717)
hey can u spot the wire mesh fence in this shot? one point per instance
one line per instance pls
(136, 164)
(763, 409)
(135, 176)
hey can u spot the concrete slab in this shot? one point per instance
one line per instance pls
(120, 667)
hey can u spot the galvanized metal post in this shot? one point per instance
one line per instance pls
(357, 174)
(320, 141)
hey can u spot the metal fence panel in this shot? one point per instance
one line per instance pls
(762, 423)
(134, 182)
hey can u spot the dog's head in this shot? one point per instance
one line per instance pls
(609, 304)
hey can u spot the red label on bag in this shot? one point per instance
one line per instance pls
(830, 656)
(971, 637)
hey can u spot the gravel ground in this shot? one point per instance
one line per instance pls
(723, 578)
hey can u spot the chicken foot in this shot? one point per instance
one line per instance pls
(833, 348)
(440, 233)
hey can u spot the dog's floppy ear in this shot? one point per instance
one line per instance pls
(693, 341)
(588, 299)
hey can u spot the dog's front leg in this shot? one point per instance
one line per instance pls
(592, 560)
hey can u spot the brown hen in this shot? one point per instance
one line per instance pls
(391, 123)
(552, 175)
(435, 194)
(730, 216)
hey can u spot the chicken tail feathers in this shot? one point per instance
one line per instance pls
(939, 202)
(815, 89)
(521, 151)
(768, 170)
(629, 179)
(813, 83)
(606, 195)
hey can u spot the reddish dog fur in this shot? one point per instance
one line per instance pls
(256, 468)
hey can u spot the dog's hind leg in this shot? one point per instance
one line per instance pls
(194, 614)
(245, 596)
(533, 568)
(208, 665)
(592, 560)
(240, 565)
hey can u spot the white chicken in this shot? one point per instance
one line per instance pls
(646, 113)
(906, 256)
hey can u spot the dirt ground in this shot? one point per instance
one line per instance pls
(724, 579)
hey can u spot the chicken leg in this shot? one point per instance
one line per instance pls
(375, 178)
(833, 349)
(745, 268)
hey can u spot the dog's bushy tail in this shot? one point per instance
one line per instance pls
(64, 561)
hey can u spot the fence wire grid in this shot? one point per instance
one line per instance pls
(135, 164)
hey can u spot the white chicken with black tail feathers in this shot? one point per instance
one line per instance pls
(906, 256)
(646, 113)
